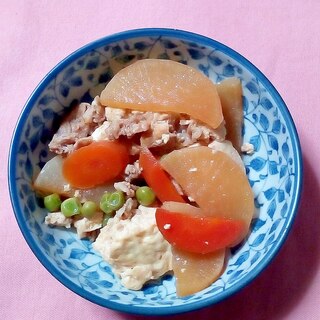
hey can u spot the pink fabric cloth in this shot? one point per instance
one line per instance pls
(279, 37)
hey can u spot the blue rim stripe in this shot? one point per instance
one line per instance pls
(149, 32)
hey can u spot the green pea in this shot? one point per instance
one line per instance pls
(52, 202)
(145, 196)
(104, 203)
(112, 201)
(116, 200)
(71, 207)
(88, 209)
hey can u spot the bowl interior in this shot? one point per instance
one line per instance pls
(274, 170)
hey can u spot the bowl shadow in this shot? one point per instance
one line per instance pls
(283, 283)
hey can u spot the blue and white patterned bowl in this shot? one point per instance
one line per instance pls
(274, 171)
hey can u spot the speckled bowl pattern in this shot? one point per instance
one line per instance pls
(274, 170)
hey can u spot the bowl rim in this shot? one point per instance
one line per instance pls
(150, 32)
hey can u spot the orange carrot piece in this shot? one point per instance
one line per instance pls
(157, 178)
(95, 164)
(198, 234)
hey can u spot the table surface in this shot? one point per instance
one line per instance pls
(280, 37)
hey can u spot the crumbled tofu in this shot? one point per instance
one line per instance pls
(114, 114)
(86, 225)
(57, 219)
(66, 187)
(184, 122)
(165, 137)
(135, 248)
(247, 148)
(99, 133)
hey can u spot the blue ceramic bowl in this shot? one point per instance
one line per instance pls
(274, 171)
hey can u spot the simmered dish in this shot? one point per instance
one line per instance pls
(151, 172)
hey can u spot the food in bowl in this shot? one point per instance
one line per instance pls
(151, 171)
(274, 170)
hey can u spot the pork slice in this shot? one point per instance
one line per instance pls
(78, 125)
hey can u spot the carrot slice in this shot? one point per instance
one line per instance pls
(157, 178)
(95, 164)
(198, 234)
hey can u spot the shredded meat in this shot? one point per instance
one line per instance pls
(85, 225)
(57, 219)
(132, 171)
(128, 210)
(163, 131)
(156, 129)
(129, 123)
(126, 187)
(191, 132)
(77, 127)
(162, 128)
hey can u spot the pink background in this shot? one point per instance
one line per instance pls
(280, 37)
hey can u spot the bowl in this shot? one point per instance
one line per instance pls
(274, 170)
